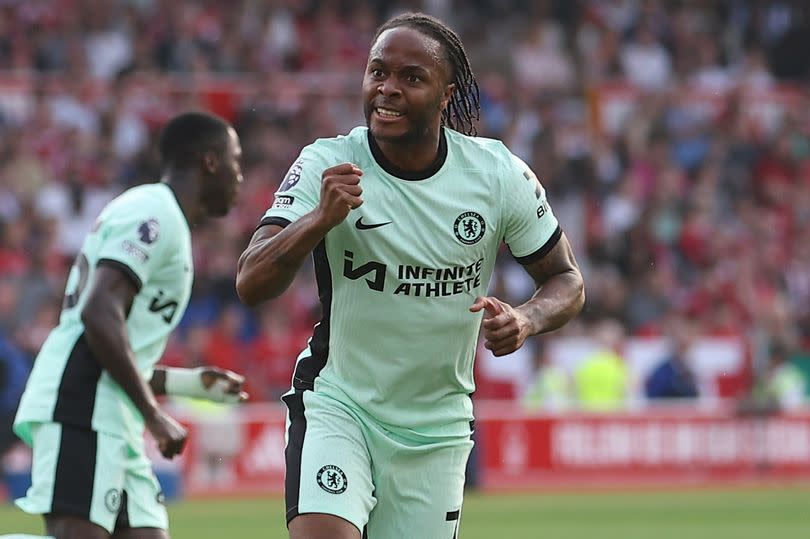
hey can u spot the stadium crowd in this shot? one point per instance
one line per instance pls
(690, 206)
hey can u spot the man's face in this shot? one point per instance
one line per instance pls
(405, 86)
(221, 184)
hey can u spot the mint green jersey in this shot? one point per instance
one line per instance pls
(143, 233)
(397, 277)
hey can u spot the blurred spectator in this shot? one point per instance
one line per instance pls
(674, 378)
(650, 299)
(646, 61)
(32, 333)
(602, 380)
(224, 346)
(194, 353)
(9, 299)
(711, 74)
(540, 60)
(784, 383)
(780, 387)
(13, 372)
(551, 389)
(13, 258)
(272, 354)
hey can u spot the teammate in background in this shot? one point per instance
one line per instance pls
(404, 219)
(93, 386)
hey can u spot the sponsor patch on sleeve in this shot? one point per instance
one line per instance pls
(283, 202)
(541, 211)
(136, 252)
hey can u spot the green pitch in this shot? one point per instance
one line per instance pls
(697, 514)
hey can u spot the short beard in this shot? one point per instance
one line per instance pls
(416, 134)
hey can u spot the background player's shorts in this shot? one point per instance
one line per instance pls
(92, 475)
(390, 486)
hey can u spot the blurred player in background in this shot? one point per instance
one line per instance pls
(92, 390)
(380, 414)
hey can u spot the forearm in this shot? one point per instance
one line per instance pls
(210, 383)
(158, 382)
(107, 337)
(268, 265)
(556, 302)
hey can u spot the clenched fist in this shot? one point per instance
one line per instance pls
(168, 433)
(505, 327)
(340, 193)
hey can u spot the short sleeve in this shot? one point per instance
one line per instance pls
(136, 240)
(300, 191)
(530, 228)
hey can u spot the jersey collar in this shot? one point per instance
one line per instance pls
(391, 169)
(177, 200)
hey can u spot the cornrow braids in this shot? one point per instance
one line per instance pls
(464, 107)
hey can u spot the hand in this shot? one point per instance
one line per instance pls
(505, 328)
(340, 193)
(230, 382)
(168, 433)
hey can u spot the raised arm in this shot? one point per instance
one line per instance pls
(273, 256)
(275, 253)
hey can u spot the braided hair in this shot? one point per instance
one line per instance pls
(464, 106)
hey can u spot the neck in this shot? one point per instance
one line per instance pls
(431, 160)
(412, 155)
(186, 190)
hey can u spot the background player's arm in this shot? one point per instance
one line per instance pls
(104, 317)
(212, 383)
(559, 297)
(269, 264)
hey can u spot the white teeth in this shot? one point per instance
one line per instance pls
(388, 113)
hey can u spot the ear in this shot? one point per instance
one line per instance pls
(210, 162)
(447, 95)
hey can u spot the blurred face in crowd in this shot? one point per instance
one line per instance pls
(682, 333)
(405, 87)
(220, 185)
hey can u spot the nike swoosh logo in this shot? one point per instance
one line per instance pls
(362, 226)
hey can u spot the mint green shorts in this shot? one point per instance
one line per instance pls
(390, 486)
(92, 475)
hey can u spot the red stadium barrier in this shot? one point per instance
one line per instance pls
(651, 447)
(518, 450)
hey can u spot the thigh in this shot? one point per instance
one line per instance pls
(140, 533)
(70, 527)
(77, 473)
(320, 526)
(420, 490)
(328, 464)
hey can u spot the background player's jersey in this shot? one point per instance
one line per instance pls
(144, 233)
(397, 277)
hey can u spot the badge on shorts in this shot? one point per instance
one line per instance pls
(112, 500)
(332, 479)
